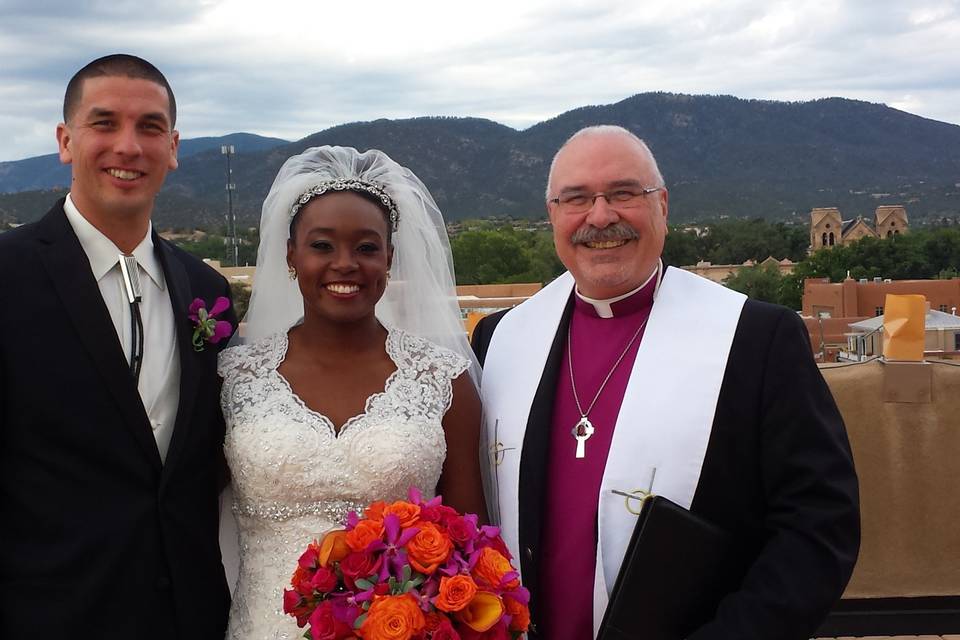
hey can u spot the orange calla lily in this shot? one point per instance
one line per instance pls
(484, 611)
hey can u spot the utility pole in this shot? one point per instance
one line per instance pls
(232, 240)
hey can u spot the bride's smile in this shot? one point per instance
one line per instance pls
(341, 252)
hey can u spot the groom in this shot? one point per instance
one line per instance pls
(621, 377)
(110, 424)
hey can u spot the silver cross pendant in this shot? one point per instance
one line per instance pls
(582, 432)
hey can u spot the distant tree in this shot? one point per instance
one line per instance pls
(241, 298)
(791, 291)
(681, 248)
(544, 263)
(488, 257)
(736, 241)
(921, 254)
(212, 246)
(757, 282)
(947, 274)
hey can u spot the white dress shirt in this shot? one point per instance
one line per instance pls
(159, 383)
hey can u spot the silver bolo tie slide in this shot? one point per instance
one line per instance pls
(131, 285)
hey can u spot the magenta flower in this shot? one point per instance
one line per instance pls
(206, 326)
(393, 552)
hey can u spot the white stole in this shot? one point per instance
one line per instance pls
(665, 418)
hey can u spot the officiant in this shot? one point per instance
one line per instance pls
(625, 376)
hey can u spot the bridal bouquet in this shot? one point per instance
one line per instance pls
(408, 570)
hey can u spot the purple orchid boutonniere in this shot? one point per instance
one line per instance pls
(206, 326)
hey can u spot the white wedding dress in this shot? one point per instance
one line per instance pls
(294, 477)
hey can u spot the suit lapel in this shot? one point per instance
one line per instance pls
(536, 444)
(178, 285)
(536, 438)
(61, 253)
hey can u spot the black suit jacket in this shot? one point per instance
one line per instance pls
(778, 473)
(98, 539)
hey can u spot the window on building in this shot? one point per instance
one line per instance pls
(878, 311)
(944, 308)
(893, 223)
(956, 342)
(831, 238)
(824, 239)
(897, 232)
(889, 234)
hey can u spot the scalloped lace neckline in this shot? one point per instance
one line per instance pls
(336, 432)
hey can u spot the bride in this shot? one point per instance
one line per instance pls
(356, 381)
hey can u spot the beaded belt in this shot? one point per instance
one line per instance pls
(332, 510)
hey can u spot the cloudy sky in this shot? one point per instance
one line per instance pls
(290, 68)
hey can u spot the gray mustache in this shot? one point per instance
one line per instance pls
(589, 233)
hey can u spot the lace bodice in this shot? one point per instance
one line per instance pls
(294, 477)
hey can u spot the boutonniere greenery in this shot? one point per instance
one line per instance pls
(206, 326)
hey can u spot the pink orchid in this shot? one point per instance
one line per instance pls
(206, 326)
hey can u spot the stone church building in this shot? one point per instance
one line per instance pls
(827, 229)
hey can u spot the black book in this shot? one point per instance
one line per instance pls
(675, 571)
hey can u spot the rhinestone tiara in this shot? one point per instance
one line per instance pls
(341, 184)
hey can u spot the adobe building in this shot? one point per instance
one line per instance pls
(238, 275)
(827, 229)
(941, 336)
(720, 272)
(865, 298)
(830, 308)
(479, 300)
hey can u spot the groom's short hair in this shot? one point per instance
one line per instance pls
(114, 65)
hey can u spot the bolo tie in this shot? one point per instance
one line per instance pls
(131, 284)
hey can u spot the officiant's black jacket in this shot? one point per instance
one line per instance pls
(778, 473)
(98, 538)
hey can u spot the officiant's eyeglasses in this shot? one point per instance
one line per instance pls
(619, 198)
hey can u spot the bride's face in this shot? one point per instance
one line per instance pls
(341, 253)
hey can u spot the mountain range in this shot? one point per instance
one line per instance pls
(720, 156)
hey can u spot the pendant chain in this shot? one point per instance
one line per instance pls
(573, 384)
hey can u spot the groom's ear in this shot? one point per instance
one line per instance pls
(63, 143)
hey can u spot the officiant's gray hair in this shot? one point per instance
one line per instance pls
(606, 130)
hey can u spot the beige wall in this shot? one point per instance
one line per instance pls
(720, 272)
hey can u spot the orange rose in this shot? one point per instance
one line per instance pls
(407, 512)
(519, 613)
(392, 618)
(455, 593)
(366, 531)
(429, 548)
(491, 567)
(375, 510)
(333, 547)
(484, 611)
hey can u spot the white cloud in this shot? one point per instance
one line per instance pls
(289, 68)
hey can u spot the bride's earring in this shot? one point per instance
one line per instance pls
(292, 272)
(388, 275)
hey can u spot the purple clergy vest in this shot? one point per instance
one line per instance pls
(569, 533)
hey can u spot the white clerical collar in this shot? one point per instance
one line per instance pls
(103, 253)
(604, 308)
